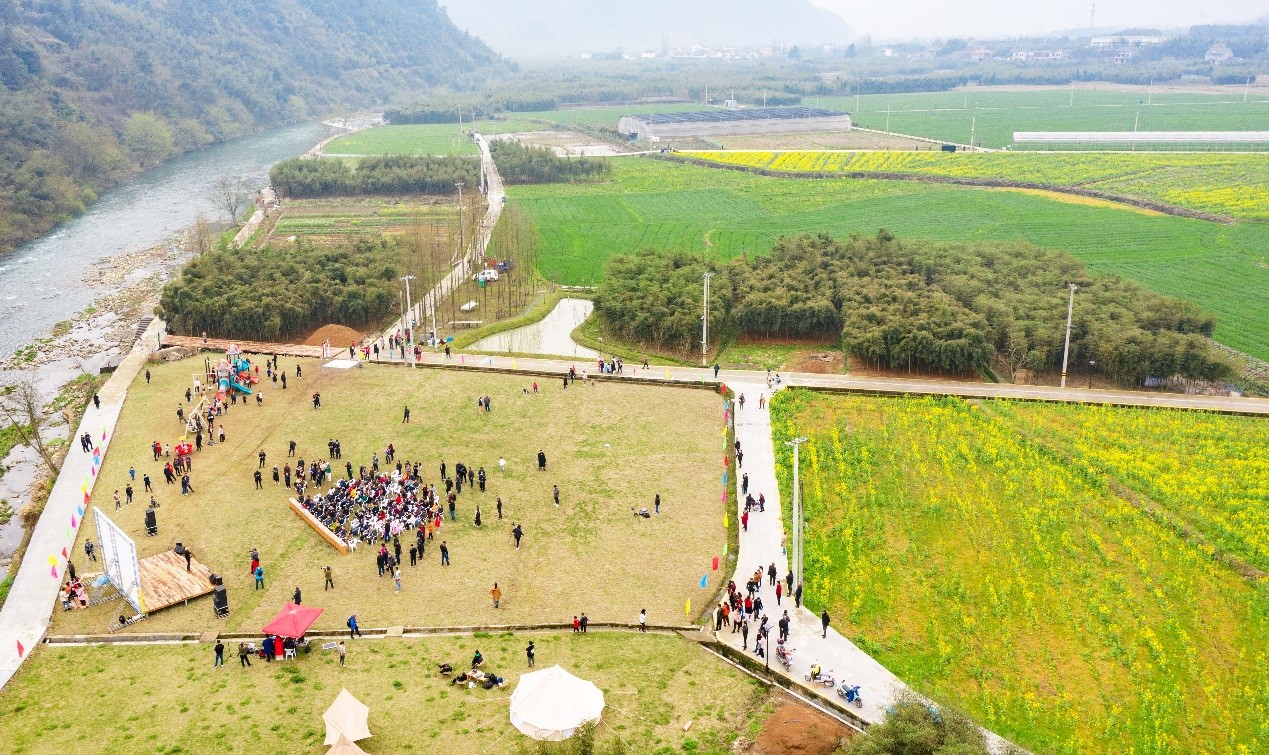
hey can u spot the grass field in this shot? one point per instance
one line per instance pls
(609, 447)
(335, 221)
(423, 139)
(1236, 185)
(980, 551)
(993, 115)
(170, 699)
(656, 205)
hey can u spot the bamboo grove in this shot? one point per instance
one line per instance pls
(917, 305)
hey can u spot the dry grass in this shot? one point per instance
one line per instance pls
(170, 699)
(609, 447)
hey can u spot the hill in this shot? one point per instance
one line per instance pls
(95, 90)
(556, 28)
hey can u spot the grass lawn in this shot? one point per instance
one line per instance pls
(994, 115)
(996, 556)
(168, 698)
(657, 205)
(609, 447)
(423, 139)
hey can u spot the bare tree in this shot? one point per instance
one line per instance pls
(231, 194)
(199, 240)
(24, 411)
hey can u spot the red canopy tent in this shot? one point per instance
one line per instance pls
(293, 621)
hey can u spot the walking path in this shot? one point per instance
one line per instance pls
(33, 595)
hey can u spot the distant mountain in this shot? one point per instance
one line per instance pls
(94, 90)
(555, 28)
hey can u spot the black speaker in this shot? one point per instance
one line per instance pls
(151, 522)
(220, 601)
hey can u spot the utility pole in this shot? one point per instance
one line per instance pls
(887, 116)
(462, 248)
(705, 321)
(1135, 122)
(973, 126)
(796, 555)
(1246, 88)
(1066, 349)
(410, 320)
(1072, 102)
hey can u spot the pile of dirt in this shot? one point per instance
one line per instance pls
(795, 729)
(821, 362)
(340, 336)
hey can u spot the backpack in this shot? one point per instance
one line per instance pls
(350, 622)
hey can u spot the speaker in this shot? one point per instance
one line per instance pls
(151, 522)
(220, 601)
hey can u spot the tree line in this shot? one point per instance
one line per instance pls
(919, 305)
(521, 164)
(392, 175)
(284, 293)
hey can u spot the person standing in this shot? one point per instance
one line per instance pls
(259, 575)
(405, 420)
(343, 650)
(220, 654)
(824, 620)
(556, 494)
(444, 553)
(528, 652)
(496, 594)
(147, 376)
(577, 625)
(244, 657)
(744, 635)
(797, 596)
(779, 591)
(259, 478)
(396, 578)
(499, 507)
(541, 461)
(643, 619)
(296, 596)
(585, 621)
(771, 572)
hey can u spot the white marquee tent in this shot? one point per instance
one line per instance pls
(551, 704)
(348, 718)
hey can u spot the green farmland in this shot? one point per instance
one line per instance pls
(422, 139)
(993, 115)
(654, 205)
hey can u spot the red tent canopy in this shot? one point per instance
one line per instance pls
(293, 621)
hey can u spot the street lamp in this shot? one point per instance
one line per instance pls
(409, 308)
(1091, 364)
(1070, 310)
(462, 249)
(705, 321)
(796, 556)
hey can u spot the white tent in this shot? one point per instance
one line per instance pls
(347, 717)
(551, 704)
(344, 747)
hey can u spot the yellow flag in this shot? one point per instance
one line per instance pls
(667, 373)
(688, 608)
(724, 521)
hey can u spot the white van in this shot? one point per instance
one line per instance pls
(488, 276)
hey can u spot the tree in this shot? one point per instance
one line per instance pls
(148, 138)
(914, 727)
(199, 239)
(23, 409)
(231, 194)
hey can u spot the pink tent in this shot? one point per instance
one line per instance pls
(293, 621)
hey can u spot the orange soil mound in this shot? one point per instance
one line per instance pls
(340, 336)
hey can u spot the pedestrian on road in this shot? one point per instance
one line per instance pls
(715, 370)
(643, 619)
(788, 582)
(496, 594)
(797, 596)
(744, 521)
(528, 651)
(771, 572)
(824, 620)
(744, 484)
(220, 654)
(96, 401)
(744, 635)
(779, 591)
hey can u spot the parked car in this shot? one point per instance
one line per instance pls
(486, 275)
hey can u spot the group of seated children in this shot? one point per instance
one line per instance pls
(488, 680)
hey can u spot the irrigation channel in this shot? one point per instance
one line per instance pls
(550, 336)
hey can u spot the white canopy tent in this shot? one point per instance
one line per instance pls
(344, 747)
(551, 704)
(347, 718)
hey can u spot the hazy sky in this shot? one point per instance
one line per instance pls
(902, 19)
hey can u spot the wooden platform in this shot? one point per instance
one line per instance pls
(250, 347)
(164, 581)
(317, 525)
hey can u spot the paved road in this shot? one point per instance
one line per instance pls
(33, 596)
(425, 302)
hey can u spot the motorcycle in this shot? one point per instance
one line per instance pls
(851, 693)
(785, 656)
(828, 680)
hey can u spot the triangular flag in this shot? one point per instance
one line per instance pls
(69, 536)
(74, 522)
(724, 496)
(103, 434)
(21, 650)
(81, 506)
(667, 373)
(688, 608)
(724, 461)
(715, 563)
(724, 477)
(94, 471)
(514, 365)
(704, 580)
(85, 487)
(64, 554)
(724, 521)
(52, 561)
(724, 550)
(54, 571)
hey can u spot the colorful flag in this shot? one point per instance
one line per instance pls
(715, 563)
(21, 650)
(52, 561)
(53, 569)
(724, 550)
(74, 522)
(704, 580)
(688, 608)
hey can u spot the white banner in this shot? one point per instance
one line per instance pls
(119, 554)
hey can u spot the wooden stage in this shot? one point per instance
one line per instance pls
(164, 581)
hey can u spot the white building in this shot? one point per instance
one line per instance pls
(1124, 40)
(1218, 53)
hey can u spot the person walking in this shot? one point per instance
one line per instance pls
(244, 657)
(220, 654)
(259, 575)
(330, 579)
(90, 550)
(353, 629)
(577, 625)
(343, 650)
(643, 619)
(715, 370)
(824, 620)
(145, 480)
(797, 596)
(528, 652)
(496, 594)
(517, 532)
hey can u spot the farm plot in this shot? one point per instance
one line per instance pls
(821, 140)
(657, 205)
(991, 116)
(993, 573)
(327, 222)
(1226, 184)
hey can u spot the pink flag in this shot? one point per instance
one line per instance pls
(21, 650)
(64, 553)
(54, 570)
(74, 522)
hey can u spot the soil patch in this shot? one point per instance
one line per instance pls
(340, 336)
(795, 729)
(820, 362)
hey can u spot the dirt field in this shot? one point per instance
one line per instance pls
(568, 143)
(825, 140)
(794, 729)
(339, 335)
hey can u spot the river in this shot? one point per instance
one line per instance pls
(41, 282)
